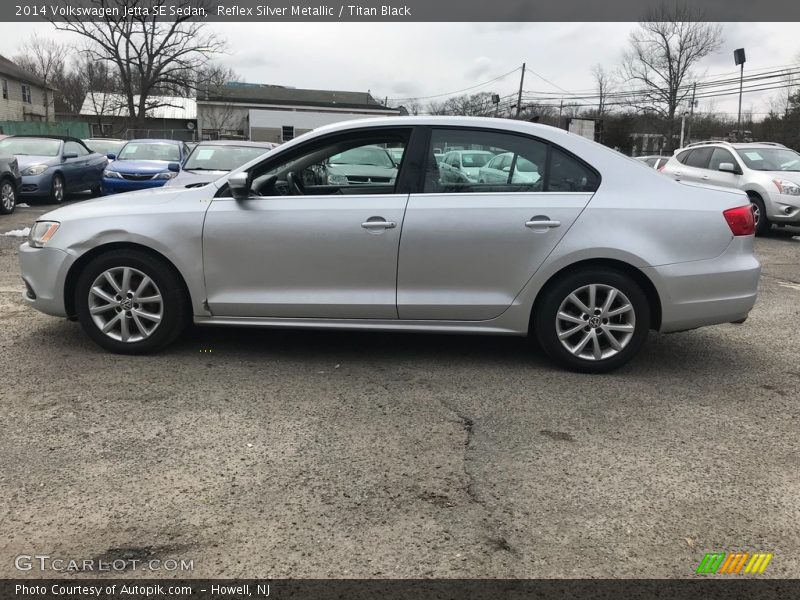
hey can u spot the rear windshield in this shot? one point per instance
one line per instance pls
(474, 159)
(150, 151)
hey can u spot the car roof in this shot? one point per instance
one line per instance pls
(62, 138)
(239, 143)
(156, 141)
(103, 140)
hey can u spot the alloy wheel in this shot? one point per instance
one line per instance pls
(756, 212)
(7, 196)
(595, 322)
(125, 304)
(58, 190)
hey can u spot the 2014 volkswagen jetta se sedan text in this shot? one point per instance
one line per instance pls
(587, 258)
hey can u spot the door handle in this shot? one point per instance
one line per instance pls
(379, 225)
(533, 224)
(705, 176)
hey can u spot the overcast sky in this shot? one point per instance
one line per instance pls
(426, 59)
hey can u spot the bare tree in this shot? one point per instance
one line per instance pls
(663, 51)
(45, 59)
(604, 85)
(149, 56)
(222, 116)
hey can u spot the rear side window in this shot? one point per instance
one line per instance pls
(699, 158)
(682, 156)
(504, 162)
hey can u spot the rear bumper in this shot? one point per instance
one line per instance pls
(707, 292)
(118, 186)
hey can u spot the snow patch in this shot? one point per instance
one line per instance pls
(18, 232)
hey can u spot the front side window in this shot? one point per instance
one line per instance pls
(719, 156)
(150, 151)
(770, 159)
(349, 164)
(501, 162)
(74, 148)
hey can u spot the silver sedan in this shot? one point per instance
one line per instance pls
(587, 259)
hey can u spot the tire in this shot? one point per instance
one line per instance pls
(144, 333)
(57, 189)
(8, 197)
(97, 191)
(628, 328)
(760, 213)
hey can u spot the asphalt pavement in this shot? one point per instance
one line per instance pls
(258, 453)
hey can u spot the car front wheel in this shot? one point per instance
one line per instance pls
(8, 197)
(759, 215)
(130, 302)
(57, 191)
(593, 320)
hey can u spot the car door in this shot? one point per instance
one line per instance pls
(723, 178)
(73, 168)
(468, 248)
(330, 252)
(695, 168)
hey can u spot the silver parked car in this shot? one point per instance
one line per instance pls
(768, 173)
(211, 160)
(588, 259)
(509, 167)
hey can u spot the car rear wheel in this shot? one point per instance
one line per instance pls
(592, 320)
(57, 189)
(760, 215)
(130, 302)
(8, 197)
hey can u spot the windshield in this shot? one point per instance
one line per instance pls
(150, 151)
(474, 159)
(770, 159)
(30, 146)
(104, 146)
(221, 158)
(373, 157)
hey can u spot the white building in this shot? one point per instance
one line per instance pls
(271, 113)
(23, 96)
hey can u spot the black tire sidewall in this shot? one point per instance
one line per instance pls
(53, 189)
(175, 310)
(3, 210)
(547, 306)
(763, 224)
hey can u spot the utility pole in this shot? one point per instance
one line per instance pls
(519, 96)
(560, 110)
(691, 115)
(739, 59)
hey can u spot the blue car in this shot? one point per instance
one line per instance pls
(143, 164)
(53, 166)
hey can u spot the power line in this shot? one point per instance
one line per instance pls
(499, 77)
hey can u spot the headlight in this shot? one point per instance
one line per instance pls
(41, 232)
(336, 179)
(35, 170)
(787, 187)
(107, 173)
(166, 175)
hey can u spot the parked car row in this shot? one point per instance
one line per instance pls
(47, 168)
(574, 254)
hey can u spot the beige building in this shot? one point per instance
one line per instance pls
(23, 96)
(272, 113)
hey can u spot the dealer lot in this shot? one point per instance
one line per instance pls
(258, 453)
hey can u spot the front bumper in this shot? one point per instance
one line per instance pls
(36, 186)
(783, 208)
(44, 271)
(118, 186)
(708, 292)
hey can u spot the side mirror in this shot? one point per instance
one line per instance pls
(728, 167)
(111, 156)
(174, 167)
(68, 155)
(239, 185)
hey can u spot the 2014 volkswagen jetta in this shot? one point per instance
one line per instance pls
(591, 255)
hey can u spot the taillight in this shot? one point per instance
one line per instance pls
(741, 220)
(661, 168)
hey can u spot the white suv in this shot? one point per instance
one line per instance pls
(769, 173)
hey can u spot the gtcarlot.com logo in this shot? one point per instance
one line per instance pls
(734, 563)
(44, 562)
